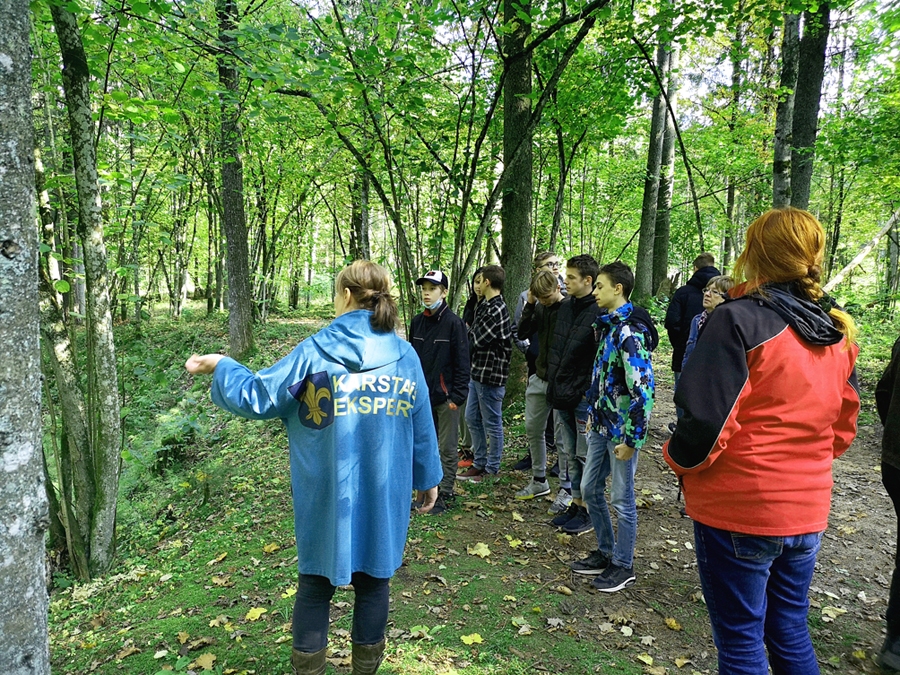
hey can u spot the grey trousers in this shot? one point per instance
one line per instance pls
(446, 423)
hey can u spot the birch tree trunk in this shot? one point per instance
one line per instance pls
(24, 648)
(102, 404)
(784, 113)
(811, 73)
(643, 272)
(234, 220)
(666, 183)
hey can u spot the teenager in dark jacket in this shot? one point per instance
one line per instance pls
(439, 338)
(686, 303)
(887, 400)
(569, 366)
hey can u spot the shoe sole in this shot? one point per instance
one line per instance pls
(474, 479)
(577, 534)
(589, 572)
(888, 660)
(530, 496)
(619, 587)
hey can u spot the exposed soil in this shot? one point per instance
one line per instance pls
(848, 593)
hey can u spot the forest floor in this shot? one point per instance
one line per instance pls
(208, 565)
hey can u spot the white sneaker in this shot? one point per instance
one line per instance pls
(561, 503)
(534, 489)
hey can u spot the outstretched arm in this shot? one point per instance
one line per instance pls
(202, 365)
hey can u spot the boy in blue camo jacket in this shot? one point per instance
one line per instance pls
(620, 401)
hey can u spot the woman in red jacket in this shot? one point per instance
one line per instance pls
(770, 399)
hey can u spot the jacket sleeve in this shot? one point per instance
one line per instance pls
(521, 343)
(242, 392)
(692, 339)
(845, 425)
(710, 403)
(527, 322)
(639, 379)
(427, 471)
(884, 390)
(675, 314)
(459, 392)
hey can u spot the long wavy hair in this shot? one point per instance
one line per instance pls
(370, 286)
(788, 245)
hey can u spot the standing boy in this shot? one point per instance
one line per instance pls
(568, 378)
(620, 399)
(539, 317)
(439, 338)
(490, 341)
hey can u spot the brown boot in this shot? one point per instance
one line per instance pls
(304, 663)
(367, 658)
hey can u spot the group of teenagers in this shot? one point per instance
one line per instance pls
(590, 379)
(766, 396)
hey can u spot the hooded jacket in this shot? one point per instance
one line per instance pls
(361, 437)
(770, 400)
(439, 338)
(572, 352)
(622, 388)
(887, 400)
(686, 303)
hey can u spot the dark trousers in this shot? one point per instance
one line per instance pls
(313, 602)
(890, 476)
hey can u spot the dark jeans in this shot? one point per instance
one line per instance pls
(756, 592)
(890, 476)
(313, 602)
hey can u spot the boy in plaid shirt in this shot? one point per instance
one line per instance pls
(490, 349)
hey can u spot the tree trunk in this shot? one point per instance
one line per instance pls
(23, 501)
(359, 217)
(102, 404)
(515, 213)
(784, 114)
(811, 72)
(234, 220)
(666, 183)
(643, 272)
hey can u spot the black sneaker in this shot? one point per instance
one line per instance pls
(580, 524)
(523, 464)
(614, 578)
(416, 504)
(566, 515)
(889, 656)
(443, 503)
(595, 563)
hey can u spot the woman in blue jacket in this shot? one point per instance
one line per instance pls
(355, 404)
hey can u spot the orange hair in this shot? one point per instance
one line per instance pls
(787, 245)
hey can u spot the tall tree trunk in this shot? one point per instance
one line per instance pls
(234, 220)
(666, 183)
(359, 217)
(515, 213)
(23, 501)
(784, 113)
(811, 73)
(102, 403)
(643, 272)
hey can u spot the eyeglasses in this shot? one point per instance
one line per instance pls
(551, 265)
(713, 291)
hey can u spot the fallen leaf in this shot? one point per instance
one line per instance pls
(627, 631)
(161, 654)
(554, 622)
(564, 590)
(220, 620)
(525, 630)
(682, 661)
(480, 549)
(290, 593)
(831, 613)
(647, 640)
(164, 578)
(183, 637)
(204, 661)
(518, 621)
(672, 623)
(645, 658)
(127, 651)
(509, 598)
(255, 613)
(516, 516)
(471, 639)
(513, 543)
(219, 558)
(271, 548)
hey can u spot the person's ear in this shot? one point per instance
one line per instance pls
(348, 297)
(620, 289)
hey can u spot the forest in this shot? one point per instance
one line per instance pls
(192, 174)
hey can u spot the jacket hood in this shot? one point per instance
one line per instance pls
(351, 341)
(638, 317)
(702, 276)
(808, 319)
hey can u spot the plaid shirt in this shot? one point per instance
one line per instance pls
(490, 342)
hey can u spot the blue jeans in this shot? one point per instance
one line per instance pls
(601, 462)
(756, 593)
(484, 415)
(570, 424)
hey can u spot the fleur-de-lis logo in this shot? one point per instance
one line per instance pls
(311, 398)
(316, 400)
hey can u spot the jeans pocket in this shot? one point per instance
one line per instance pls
(748, 547)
